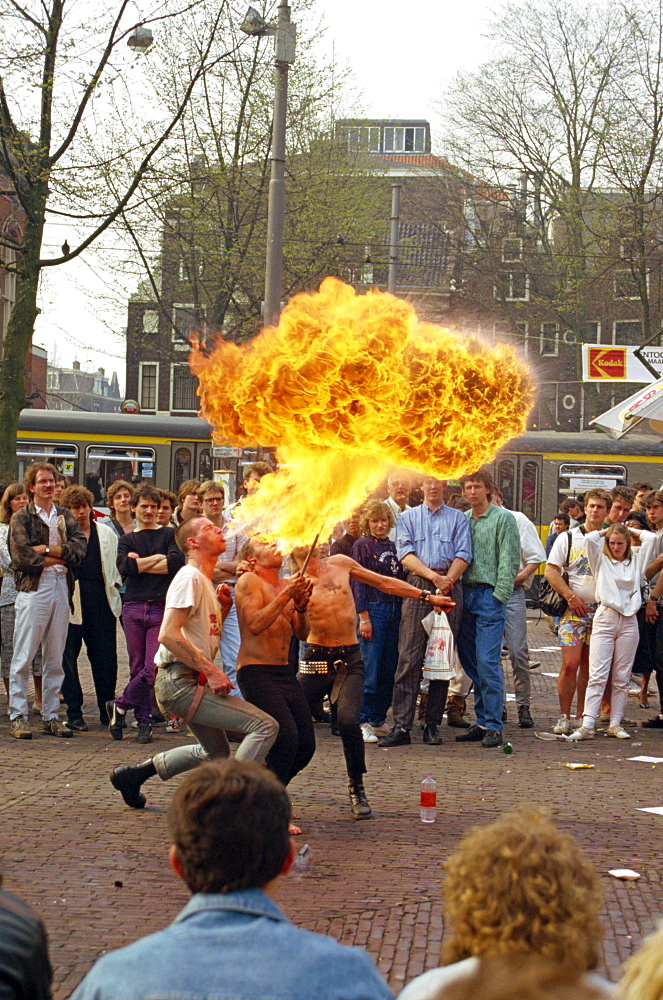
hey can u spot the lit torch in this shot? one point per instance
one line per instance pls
(348, 386)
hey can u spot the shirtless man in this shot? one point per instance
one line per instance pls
(332, 662)
(270, 608)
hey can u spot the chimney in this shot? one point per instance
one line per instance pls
(101, 372)
(76, 366)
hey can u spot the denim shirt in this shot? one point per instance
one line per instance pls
(234, 946)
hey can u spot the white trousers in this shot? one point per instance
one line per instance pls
(613, 644)
(42, 617)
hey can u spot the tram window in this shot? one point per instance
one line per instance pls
(63, 456)
(530, 489)
(204, 465)
(578, 477)
(104, 464)
(182, 467)
(505, 483)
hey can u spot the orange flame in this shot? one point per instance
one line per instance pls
(347, 386)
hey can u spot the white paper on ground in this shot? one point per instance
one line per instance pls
(658, 810)
(510, 697)
(648, 760)
(544, 674)
(625, 873)
(546, 649)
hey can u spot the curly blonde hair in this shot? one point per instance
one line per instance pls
(520, 886)
(643, 972)
(375, 508)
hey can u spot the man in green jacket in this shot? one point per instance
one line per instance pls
(487, 586)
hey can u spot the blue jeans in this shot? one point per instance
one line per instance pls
(479, 648)
(380, 655)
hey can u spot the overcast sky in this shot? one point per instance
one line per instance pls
(401, 54)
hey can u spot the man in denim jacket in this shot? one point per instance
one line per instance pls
(229, 826)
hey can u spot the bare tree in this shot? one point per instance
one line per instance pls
(200, 232)
(530, 128)
(65, 73)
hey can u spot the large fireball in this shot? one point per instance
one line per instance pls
(348, 386)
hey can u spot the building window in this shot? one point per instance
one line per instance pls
(150, 321)
(148, 385)
(404, 139)
(592, 332)
(513, 286)
(512, 250)
(627, 332)
(549, 340)
(184, 386)
(625, 286)
(523, 336)
(186, 320)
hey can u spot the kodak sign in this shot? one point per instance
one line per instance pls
(606, 362)
(618, 364)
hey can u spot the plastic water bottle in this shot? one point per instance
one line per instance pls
(428, 800)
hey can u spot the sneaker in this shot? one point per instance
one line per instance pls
(55, 728)
(584, 733)
(174, 725)
(128, 782)
(368, 734)
(563, 727)
(618, 732)
(20, 728)
(77, 725)
(397, 738)
(534, 664)
(655, 723)
(525, 720)
(116, 720)
(144, 733)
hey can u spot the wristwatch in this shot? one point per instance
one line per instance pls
(47, 550)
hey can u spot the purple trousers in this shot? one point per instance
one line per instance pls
(141, 621)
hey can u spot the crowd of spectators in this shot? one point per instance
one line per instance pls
(521, 903)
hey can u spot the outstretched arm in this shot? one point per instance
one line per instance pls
(391, 585)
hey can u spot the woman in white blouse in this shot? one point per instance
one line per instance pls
(618, 569)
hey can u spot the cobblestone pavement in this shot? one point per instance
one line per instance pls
(97, 872)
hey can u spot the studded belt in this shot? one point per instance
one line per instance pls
(314, 667)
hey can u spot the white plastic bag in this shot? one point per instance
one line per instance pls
(439, 662)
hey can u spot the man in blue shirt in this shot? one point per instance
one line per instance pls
(229, 825)
(433, 543)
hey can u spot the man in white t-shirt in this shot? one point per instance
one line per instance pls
(575, 626)
(189, 684)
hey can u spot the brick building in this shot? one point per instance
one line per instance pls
(470, 257)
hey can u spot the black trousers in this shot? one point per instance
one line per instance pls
(274, 689)
(98, 631)
(346, 664)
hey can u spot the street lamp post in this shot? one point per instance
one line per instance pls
(284, 55)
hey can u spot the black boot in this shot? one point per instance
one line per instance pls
(127, 779)
(359, 806)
